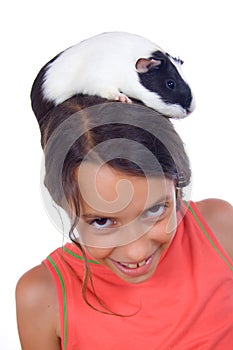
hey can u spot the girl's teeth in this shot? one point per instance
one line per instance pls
(142, 263)
(134, 266)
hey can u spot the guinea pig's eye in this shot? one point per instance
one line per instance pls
(170, 84)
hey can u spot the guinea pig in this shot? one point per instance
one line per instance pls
(116, 66)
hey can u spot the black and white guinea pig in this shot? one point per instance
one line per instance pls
(118, 66)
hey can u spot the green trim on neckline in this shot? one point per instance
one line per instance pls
(65, 332)
(208, 236)
(79, 257)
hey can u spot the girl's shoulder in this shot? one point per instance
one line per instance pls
(218, 214)
(37, 310)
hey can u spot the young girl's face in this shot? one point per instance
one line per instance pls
(126, 222)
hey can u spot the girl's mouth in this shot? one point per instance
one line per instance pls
(135, 269)
(134, 266)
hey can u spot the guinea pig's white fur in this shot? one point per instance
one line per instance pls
(104, 65)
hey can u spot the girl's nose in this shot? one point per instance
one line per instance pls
(137, 248)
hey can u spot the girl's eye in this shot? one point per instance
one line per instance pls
(155, 211)
(101, 223)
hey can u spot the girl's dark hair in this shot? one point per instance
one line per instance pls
(129, 137)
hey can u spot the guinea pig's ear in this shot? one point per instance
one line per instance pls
(143, 65)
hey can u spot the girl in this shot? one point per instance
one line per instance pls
(143, 267)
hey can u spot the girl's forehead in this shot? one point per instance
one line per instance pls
(106, 189)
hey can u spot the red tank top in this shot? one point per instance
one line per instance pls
(186, 305)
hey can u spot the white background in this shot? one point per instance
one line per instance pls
(32, 32)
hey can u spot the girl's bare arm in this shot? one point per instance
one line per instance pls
(37, 311)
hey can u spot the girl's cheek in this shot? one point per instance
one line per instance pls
(164, 231)
(98, 253)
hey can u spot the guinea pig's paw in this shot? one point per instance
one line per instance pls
(123, 98)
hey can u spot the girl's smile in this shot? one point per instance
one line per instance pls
(135, 269)
(126, 221)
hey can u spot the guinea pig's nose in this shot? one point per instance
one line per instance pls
(187, 102)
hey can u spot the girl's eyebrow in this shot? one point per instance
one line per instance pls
(93, 215)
